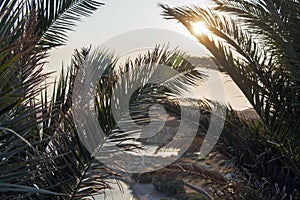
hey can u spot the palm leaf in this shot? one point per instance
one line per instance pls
(121, 127)
(55, 18)
(255, 43)
(32, 171)
(248, 64)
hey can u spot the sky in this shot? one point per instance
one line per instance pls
(130, 24)
(117, 17)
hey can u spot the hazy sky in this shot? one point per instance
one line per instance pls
(117, 17)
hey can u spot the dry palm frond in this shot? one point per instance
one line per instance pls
(191, 171)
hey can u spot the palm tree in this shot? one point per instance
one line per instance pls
(124, 78)
(257, 44)
(41, 155)
(93, 171)
(54, 163)
(38, 158)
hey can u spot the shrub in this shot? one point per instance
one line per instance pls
(168, 186)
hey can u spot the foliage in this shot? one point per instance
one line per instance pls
(144, 97)
(41, 156)
(260, 67)
(169, 186)
(54, 163)
(141, 179)
(269, 173)
(195, 196)
(257, 44)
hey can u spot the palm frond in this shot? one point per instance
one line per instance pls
(116, 106)
(56, 164)
(191, 170)
(39, 159)
(248, 64)
(55, 18)
(254, 43)
(244, 140)
(276, 22)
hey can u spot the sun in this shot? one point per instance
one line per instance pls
(199, 28)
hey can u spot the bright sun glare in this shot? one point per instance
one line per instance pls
(199, 28)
